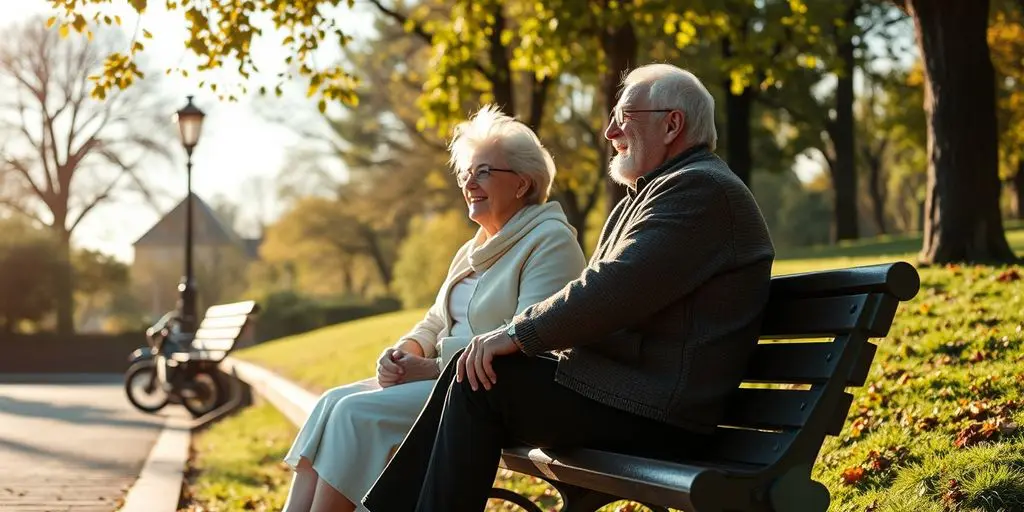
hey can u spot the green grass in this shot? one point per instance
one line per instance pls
(339, 354)
(237, 463)
(935, 429)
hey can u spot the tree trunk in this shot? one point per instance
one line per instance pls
(876, 190)
(737, 124)
(844, 172)
(65, 284)
(620, 49)
(501, 74)
(573, 213)
(376, 253)
(538, 101)
(738, 141)
(962, 217)
(1018, 188)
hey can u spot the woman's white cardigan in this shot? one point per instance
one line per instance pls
(533, 256)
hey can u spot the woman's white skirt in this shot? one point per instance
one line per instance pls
(351, 432)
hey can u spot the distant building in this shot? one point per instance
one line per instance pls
(220, 259)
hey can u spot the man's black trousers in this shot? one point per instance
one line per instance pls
(455, 445)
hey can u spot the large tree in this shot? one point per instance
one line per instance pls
(962, 216)
(65, 153)
(27, 262)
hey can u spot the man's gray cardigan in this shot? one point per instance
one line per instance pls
(664, 318)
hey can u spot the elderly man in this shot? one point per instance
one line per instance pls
(638, 353)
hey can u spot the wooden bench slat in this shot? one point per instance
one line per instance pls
(224, 321)
(199, 355)
(748, 446)
(770, 408)
(205, 333)
(236, 308)
(806, 363)
(899, 279)
(214, 344)
(829, 316)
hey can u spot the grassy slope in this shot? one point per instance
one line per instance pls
(950, 362)
(237, 463)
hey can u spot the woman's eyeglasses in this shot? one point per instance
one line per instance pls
(480, 173)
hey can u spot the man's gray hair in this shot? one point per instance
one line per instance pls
(521, 147)
(678, 89)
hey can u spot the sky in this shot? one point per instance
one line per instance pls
(238, 145)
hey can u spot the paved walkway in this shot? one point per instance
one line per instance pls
(73, 445)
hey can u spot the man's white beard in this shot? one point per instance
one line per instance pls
(623, 168)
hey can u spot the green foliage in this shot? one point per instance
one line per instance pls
(334, 355)
(324, 245)
(1006, 42)
(221, 34)
(286, 313)
(102, 289)
(238, 462)
(28, 262)
(426, 254)
(796, 214)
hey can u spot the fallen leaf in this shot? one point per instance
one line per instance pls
(927, 423)
(954, 495)
(974, 434)
(1008, 276)
(852, 475)
(978, 356)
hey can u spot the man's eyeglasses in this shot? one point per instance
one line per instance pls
(619, 114)
(481, 173)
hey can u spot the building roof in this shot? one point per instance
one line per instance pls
(207, 228)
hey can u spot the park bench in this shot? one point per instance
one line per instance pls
(197, 356)
(218, 334)
(760, 458)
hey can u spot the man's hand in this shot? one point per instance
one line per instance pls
(389, 372)
(475, 362)
(416, 367)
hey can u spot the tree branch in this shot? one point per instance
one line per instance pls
(21, 209)
(89, 205)
(427, 37)
(417, 28)
(20, 167)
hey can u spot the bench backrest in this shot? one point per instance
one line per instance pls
(223, 325)
(786, 425)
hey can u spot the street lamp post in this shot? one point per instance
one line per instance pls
(190, 123)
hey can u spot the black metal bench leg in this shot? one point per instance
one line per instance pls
(578, 499)
(515, 498)
(794, 491)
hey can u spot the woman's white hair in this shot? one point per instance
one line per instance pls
(521, 147)
(674, 88)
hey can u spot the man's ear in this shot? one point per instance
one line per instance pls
(674, 126)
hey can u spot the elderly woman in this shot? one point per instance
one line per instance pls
(524, 251)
